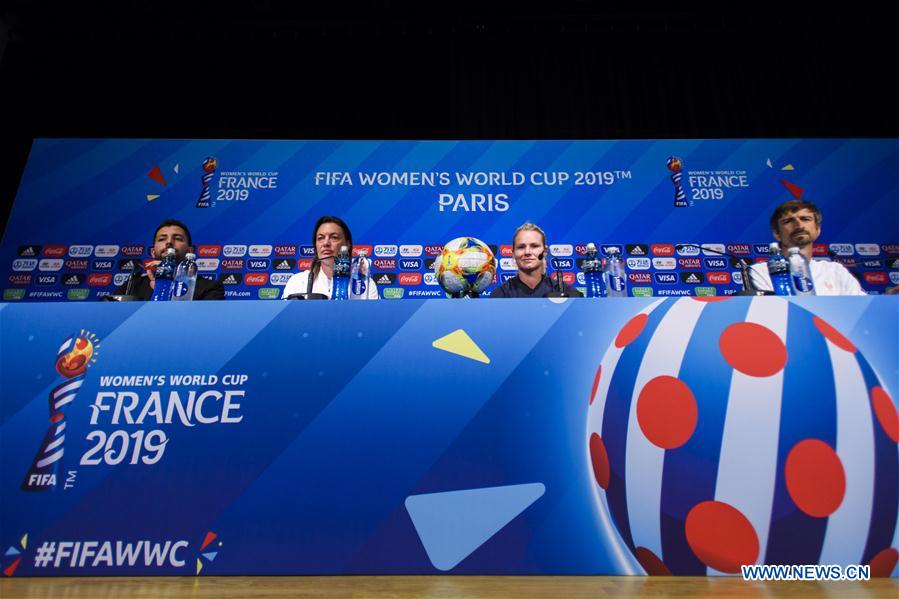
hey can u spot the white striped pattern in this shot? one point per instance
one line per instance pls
(643, 468)
(625, 561)
(748, 460)
(847, 527)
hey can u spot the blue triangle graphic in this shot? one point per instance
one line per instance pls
(453, 524)
(12, 551)
(211, 555)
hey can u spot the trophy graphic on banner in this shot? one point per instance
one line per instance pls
(209, 166)
(72, 360)
(675, 166)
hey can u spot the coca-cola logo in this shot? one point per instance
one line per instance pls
(662, 249)
(819, 249)
(256, 279)
(358, 250)
(304, 263)
(99, 280)
(876, 278)
(55, 251)
(567, 277)
(410, 278)
(718, 278)
(505, 250)
(209, 251)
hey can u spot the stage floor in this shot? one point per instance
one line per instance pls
(444, 587)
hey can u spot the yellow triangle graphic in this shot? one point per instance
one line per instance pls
(199, 566)
(789, 167)
(459, 343)
(151, 197)
(25, 541)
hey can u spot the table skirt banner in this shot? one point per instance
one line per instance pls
(641, 436)
(86, 209)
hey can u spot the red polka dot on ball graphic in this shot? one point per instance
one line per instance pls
(692, 397)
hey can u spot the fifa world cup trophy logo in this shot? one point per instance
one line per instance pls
(675, 166)
(72, 360)
(205, 199)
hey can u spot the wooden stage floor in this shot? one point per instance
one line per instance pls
(443, 587)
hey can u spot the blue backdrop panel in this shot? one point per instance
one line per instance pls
(86, 208)
(516, 437)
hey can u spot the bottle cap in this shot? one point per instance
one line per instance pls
(793, 250)
(591, 247)
(170, 252)
(190, 256)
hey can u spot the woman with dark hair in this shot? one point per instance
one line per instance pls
(328, 235)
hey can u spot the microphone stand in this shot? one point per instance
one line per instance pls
(560, 289)
(749, 287)
(128, 296)
(309, 295)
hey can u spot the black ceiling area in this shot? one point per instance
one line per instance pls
(391, 70)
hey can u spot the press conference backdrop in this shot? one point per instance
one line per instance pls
(428, 436)
(87, 208)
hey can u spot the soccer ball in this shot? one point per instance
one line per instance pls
(465, 265)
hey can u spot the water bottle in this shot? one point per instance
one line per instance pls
(592, 267)
(359, 277)
(779, 270)
(341, 280)
(800, 273)
(185, 279)
(616, 282)
(165, 272)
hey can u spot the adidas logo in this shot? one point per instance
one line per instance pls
(691, 278)
(229, 280)
(29, 251)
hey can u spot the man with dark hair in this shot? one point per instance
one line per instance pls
(797, 223)
(174, 234)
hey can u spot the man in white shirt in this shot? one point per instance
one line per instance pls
(329, 234)
(797, 223)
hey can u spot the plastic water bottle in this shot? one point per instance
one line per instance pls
(341, 274)
(359, 277)
(165, 273)
(800, 273)
(616, 282)
(185, 279)
(593, 276)
(779, 270)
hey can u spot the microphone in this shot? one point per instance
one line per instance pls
(135, 269)
(749, 286)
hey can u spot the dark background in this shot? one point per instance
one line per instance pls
(392, 70)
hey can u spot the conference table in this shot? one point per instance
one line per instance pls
(685, 436)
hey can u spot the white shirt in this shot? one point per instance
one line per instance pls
(321, 284)
(830, 278)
